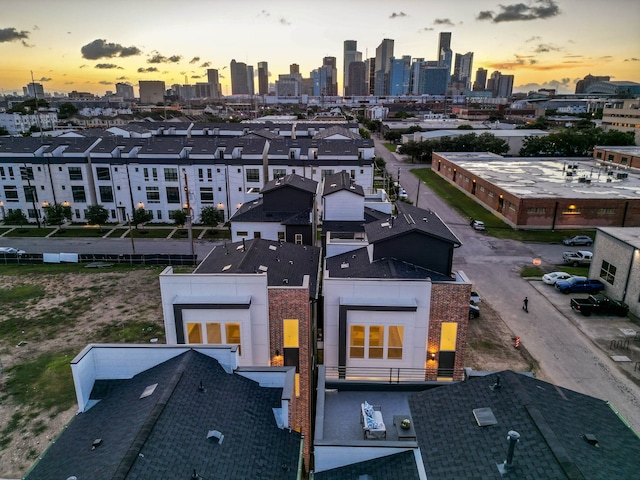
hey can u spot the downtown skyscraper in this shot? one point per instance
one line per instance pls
(351, 55)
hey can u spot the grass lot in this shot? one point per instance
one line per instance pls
(495, 227)
(29, 232)
(390, 146)
(142, 232)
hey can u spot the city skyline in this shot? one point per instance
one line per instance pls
(71, 45)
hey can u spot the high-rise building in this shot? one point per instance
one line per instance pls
(581, 85)
(461, 79)
(481, 79)
(33, 89)
(294, 68)
(370, 75)
(250, 80)
(358, 79)
(432, 79)
(239, 80)
(330, 65)
(151, 91)
(124, 90)
(263, 78)
(213, 79)
(350, 55)
(384, 53)
(289, 85)
(500, 85)
(445, 54)
(415, 75)
(400, 75)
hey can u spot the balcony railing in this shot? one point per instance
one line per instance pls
(390, 374)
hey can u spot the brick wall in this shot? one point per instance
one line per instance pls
(449, 303)
(293, 303)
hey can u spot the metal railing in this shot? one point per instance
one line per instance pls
(115, 258)
(389, 374)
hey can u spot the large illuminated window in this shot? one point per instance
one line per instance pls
(394, 347)
(356, 343)
(194, 332)
(376, 341)
(214, 333)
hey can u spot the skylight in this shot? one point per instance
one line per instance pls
(272, 247)
(226, 267)
(262, 268)
(149, 390)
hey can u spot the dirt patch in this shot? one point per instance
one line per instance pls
(74, 310)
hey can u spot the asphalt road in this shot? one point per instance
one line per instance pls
(566, 356)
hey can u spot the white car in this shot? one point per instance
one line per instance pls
(553, 277)
(475, 298)
(11, 251)
(402, 193)
(477, 225)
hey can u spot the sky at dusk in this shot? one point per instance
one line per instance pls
(88, 45)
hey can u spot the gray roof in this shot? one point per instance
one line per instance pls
(551, 421)
(341, 181)
(409, 219)
(292, 180)
(357, 264)
(254, 212)
(337, 130)
(401, 466)
(165, 434)
(286, 263)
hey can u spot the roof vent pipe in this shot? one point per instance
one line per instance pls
(513, 437)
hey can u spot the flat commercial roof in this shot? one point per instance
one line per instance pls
(532, 177)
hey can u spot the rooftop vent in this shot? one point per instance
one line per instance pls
(262, 268)
(201, 387)
(344, 265)
(149, 390)
(590, 439)
(226, 267)
(96, 443)
(285, 281)
(215, 434)
(272, 247)
(384, 224)
(239, 247)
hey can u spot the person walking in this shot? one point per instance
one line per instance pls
(525, 304)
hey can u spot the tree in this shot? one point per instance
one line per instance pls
(67, 110)
(364, 133)
(211, 216)
(180, 217)
(15, 217)
(393, 136)
(3, 131)
(466, 126)
(57, 214)
(97, 215)
(140, 215)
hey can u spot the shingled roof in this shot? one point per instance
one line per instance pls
(285, 263)
(164, 435)
(408, 219)
(554, 424)
(397, 466)
(292, 180)
(341, 181)
(253, 211)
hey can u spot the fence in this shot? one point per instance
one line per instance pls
(113, 258)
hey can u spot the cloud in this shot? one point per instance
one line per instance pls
(564, 85)
(101, 49)
(122, 78)
(545, 47)
(443, 21)
(108, 66)
(69, 83)
(83, 66)
(535, 38)
(632, 59)
(397, 15)
(539, 9)
(264, 13)
(11, 35)
(196, 76)
(36, 27)
(105, 82)
(205, 65)
(147, 70)
(45, 79)
(426, 29)
(159, 58)
(194, 60)
(284, 21)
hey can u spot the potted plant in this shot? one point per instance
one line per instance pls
(405, 424)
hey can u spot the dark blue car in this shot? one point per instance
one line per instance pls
(579, 285)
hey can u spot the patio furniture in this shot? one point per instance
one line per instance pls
(372, 423)
(404, 433)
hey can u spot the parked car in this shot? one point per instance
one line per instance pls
(581, 257)
(553, 277)
(599, 304)
(477, 225)
(579, 285)
(475, 298)
(11, 251)
(402, 193)
(578, 240)
(474, 311)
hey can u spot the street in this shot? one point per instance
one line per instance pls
(566, 356)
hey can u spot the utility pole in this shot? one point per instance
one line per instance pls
(418, 195)
(133, 245)
(189, 212)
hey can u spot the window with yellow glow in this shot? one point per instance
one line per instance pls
(448, 336)
(356, 344)
(395, 341)
(291, 334)
(194, 333)
(297, 386)
(214, 333)
(376, 341)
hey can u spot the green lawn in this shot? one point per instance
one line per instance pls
(29, 232)
(495, 227)
(390, 146)
(143, 232)
(71, 232)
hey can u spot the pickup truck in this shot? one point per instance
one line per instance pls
(581, 257)
(579, 285)
(599, 304)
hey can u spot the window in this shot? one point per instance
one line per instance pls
(253, 174)
(2, 174)
(536, 211)
(173, 195)
(571, 210)
(26, 173)
(200, 174)
(209, 174)
(279, 173)
(103, 173)
(324, 173)
(75, 173)
(214, 333)
(376, 341)
(170, 174)
(32, 213)
(243, 233)
(232, 331)
(158, 214)
(298, 238)
(206, 194)
(280, 236)
(106, 194)
(353, 174)
(606, 211)
(172, 214)
(194, 333)
(78, 194)
(153, 195)
(154, 172)
(30, 194)
(608, 272)
(146, 174)
(257, 235)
